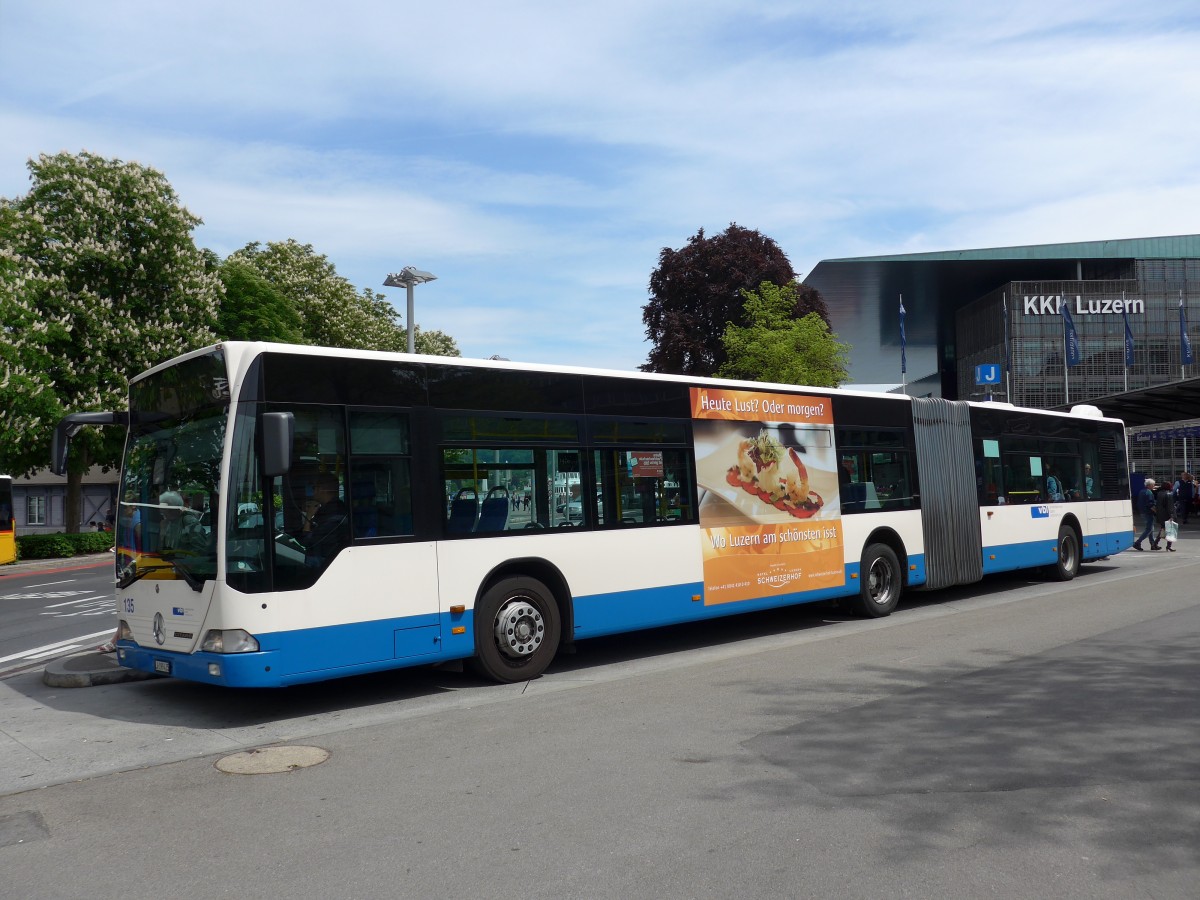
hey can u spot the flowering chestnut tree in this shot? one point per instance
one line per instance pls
(99, 280)
(27, 398)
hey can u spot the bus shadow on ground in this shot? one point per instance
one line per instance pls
(170, 702)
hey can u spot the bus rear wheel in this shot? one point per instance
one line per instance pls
(517, 630)
(880, 581)
(1067, 566)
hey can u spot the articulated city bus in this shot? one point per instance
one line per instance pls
(8, 531)
(289, 514)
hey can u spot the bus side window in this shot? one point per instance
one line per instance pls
(641, 487)
(380, 487)
(1021, 485)
(1091, 471)
(874, 470)
(315, 497)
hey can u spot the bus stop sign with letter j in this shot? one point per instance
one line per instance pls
(989, 373)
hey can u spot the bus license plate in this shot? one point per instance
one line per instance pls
(163, 666)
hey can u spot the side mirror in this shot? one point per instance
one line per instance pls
(69, 426)
(278, 429)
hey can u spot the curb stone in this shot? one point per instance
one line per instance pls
(89, 670)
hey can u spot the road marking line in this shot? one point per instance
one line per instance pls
(58, 652)
(83, 638)
(69, 602)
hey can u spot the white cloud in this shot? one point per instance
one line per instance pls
(537, 155)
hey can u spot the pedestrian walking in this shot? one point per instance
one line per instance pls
(1184, 491)
(1164, 512)
(1145, 506)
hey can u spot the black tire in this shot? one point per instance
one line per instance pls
(517, 630)
(880, 582)
(1067, 565)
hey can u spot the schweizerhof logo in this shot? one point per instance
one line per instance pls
(782, 579)
(160, 629)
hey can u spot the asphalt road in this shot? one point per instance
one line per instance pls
(1019, 739)
(56, 608)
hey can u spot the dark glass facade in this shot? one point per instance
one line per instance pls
(1036, 375)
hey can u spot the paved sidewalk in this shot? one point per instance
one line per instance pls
(89, 670)
(64, 564)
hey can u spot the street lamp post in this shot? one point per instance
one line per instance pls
(406, 278)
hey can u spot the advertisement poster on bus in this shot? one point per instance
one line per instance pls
(647, 464)
(770, 514)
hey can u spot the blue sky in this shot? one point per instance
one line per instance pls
(537, 156)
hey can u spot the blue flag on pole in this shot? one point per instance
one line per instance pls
(1007, 356)
(1185, 343)
(1128, 341)
(903, 341)
(1074, 353)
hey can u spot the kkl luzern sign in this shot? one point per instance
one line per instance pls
(1049, 304)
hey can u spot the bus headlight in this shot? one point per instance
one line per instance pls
(233, 640)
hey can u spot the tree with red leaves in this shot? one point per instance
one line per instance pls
(697, 290)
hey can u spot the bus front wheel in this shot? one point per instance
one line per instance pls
(517, 630)
(880, 581)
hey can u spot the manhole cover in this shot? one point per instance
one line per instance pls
(271, 760)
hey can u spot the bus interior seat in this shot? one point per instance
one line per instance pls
(854, 496)
(366, 515)
(493, 514)
(464, 509)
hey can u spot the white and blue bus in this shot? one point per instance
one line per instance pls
(289, 514)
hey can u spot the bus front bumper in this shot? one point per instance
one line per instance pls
(228, 669)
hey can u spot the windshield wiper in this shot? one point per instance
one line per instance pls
(132, 573)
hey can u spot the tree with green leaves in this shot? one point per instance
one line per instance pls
(332, 313)
(697, 289)
(774, 346)
(100, 280)
(254, 310)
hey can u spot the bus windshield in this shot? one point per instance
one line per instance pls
(171, 475)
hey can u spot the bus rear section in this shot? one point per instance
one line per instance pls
(1053, 489)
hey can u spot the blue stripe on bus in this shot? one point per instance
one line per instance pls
(1030, 554)
(603, 614)
(363, 647)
